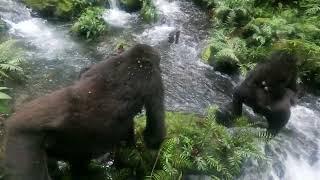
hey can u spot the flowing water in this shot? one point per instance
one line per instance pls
(55, 59)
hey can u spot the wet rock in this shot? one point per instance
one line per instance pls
(130, 5)
(279, 170)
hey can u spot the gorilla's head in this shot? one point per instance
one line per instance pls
(285, 56)
(144, 53)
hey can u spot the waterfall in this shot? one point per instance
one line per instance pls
(113, 4)
(116, 17)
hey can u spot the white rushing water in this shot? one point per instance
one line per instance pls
(294, 153)
(116, 17)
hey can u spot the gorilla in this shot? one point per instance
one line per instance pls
(89, 118)
(270, 90)
(174, 37)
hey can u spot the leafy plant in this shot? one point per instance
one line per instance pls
(193, 144)
(224, 51)
(4, 100)
(149, 12)
(64, 9)
(309, 53)
(11, 59)
(90, 24)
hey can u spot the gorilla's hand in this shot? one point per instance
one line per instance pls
(224, 115)
(153, 140)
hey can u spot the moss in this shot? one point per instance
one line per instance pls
(131, 5)
(90, 24)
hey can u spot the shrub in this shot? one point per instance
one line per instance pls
(225, 54)
(11, 59)
(90, 24)
(4, 100)
(149, 12)
(233, 13)
(65, 9)
(309, 52)
(193, 144)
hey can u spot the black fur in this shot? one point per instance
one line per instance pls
(270, 90)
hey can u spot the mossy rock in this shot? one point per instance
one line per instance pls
(131, 5)
(225, 64)
(62, 9)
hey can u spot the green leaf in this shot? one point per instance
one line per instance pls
(4, 96)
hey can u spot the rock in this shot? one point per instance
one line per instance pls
(130, 5)
(224, 64)
(3, 26)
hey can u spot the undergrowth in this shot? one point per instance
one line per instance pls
(193, 145)
(248, 30)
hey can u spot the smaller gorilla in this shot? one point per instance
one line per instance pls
(88, 118)
(270, 90)
(174, 36)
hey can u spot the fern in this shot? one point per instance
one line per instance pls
(11, 59)
(200, 145)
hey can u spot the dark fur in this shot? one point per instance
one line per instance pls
(174, 37)
(88, 118)
(269, 90)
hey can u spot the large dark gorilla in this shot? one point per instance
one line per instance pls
(270, 90)
(88, 118)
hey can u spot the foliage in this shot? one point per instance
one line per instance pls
(193, 144)
(225, 50)
(10, 60)
(233, 13)
(310, 56)
(66, 9)
(4, 100)
(149, 12)
(90, 24)
(263, 26)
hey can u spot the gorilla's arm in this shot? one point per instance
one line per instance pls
(237, 101)
(155, 127)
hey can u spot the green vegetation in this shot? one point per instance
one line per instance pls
(65, 9)
(247, 30)
(90, 24)
(11, 60)
(149, 12)
(193, 144)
